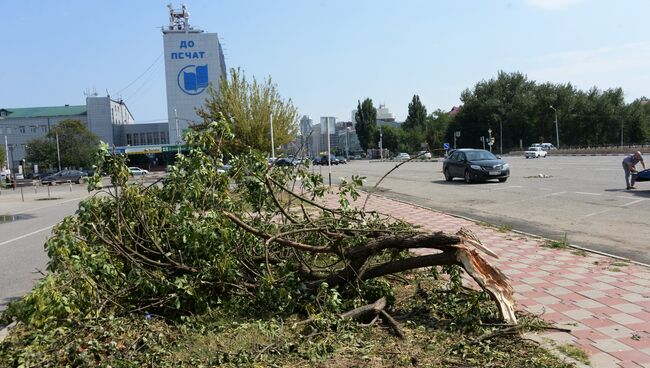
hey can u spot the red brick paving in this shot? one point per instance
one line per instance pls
(610, 303)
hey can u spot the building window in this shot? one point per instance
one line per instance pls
(156, 138)
(43, 128)
(164, 137)
(21, 130)
(150, 138)
(33, 129)
(2, 130)
(10, 130)
(128, 140)
(136, 139)
(143, 138)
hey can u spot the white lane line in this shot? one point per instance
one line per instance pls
(510, 187)
(26, 235)
(587, 193)
(596, 213)
(633, 202)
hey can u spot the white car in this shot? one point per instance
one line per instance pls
(424, 155)
(403, 156)
(136, 171)
(535, 152)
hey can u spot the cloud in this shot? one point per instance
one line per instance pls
(553, 4)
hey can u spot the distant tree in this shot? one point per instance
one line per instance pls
(248, 107)
(417, 115)
(437, 125)
(77, 145)
(42, 152)
(366, 122)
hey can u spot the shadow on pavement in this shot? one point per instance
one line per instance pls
(645, 193)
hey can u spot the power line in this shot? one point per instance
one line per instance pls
(143, 73)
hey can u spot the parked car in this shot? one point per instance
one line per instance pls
(64, 176)
(424, 155)
(342, 160)
(548, 146)
(283, 161)
(534, 152)
(322, 160)
(403, 156)
(136, 171)
(475, 165)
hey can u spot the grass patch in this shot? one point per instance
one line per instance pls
(505, 228)
(579, 252)
(574, 352)
(444, 324)
(557, 244)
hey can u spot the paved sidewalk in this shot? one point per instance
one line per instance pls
(605, 302)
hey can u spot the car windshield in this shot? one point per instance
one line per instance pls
(533, 148)
(479, 156)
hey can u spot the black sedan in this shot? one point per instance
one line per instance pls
(64, 176)
(475, 165)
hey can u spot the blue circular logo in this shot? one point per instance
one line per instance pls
(193, 79)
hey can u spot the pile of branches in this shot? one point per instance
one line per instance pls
(255, 240)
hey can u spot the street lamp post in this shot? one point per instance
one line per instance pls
(557, 130)
(58, 152)
(490, 138)
(500, 138)
(381, 144)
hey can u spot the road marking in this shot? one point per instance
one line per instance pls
(27, 235)
(596, 213)
(587, 193)
(504, 188)
(633, 202)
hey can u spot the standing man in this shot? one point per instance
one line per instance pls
(629, 164)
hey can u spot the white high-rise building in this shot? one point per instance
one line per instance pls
(193, 61)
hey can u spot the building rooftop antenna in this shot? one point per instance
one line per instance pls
(179, 19)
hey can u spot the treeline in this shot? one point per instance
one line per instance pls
(522, 112)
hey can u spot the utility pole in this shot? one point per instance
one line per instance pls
(381, 144)
(178, 135)
(58, 152)
(329, 154)
(7, 152)
(272, 143)
(557, 130)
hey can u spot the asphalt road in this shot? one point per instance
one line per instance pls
(583, 199)
(24, 228)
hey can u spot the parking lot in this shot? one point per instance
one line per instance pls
(580, 198)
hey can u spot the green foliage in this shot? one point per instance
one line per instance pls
(417, 115)
(521, 108)
(77, 144)
(41, 151)
(248, 107)
(366, 123)
(142, 272)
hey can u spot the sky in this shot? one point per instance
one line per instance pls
(324, 55)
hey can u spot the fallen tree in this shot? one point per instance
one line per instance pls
(253, 241)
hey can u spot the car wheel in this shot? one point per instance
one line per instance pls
(448, 177)
(80, 181)
(468, 178)
(502, 180)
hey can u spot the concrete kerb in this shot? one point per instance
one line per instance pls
(573, 246)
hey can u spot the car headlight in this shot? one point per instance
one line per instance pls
(506, 166)
(475, 167)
